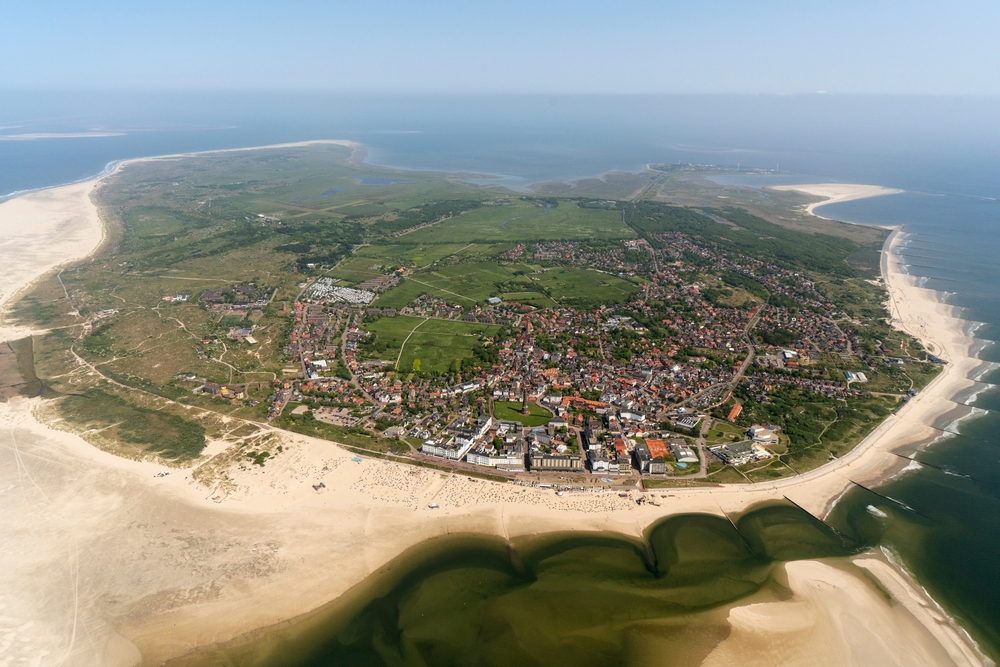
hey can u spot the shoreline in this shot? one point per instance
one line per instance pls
(374, 511)
(834, 193)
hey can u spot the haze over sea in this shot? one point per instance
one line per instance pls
(942, 151)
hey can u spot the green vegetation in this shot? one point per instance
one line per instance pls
(816, 427)
(526, 220)
(432, 346)
(355, 439)
(468, 283)
(746, 233)
(172, 437)
(511, 411)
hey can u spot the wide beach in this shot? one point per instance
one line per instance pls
(834, 193)
(107, 562)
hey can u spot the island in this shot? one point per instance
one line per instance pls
(261, 361)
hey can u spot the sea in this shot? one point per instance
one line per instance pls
(939, 519)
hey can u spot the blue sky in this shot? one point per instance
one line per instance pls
(391, 46)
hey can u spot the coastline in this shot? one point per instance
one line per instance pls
(834, 193)
(371, 512)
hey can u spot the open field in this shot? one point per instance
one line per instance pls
(400, 252)
(511, 411)
(723, 432)
(432, 346)
(468, 283)
(521, 221)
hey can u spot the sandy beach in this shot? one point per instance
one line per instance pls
(107, 563)
(834, 193)
(40, 231)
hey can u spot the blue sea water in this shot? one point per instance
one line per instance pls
(945, 153)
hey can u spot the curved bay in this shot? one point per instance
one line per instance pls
(588, 600)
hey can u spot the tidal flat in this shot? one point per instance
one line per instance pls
(562, 599)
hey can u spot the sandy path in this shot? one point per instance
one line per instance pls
(99, 549)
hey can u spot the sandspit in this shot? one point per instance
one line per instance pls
(834, 193)
(105, 561)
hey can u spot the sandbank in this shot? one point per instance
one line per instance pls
(105, 561)
(40, 231)
(834, 193)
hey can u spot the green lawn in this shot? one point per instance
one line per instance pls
(723, 432)
(511, 411)
(433, 347)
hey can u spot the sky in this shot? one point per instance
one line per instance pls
(512, 46)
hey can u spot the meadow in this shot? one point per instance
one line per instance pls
(431, 346)
(469, 283)
(527, 221)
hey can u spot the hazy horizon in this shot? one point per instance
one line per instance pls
(768, 47)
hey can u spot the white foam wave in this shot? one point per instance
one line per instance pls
(988, 367)
(838, 498)
(973, 412)
(874, 511)
(975, 395)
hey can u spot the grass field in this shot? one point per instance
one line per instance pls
(469, 283)
(432, 346)
(359, 269)
(511, 411)
(570, 286)
(724, 432)
(526, 221)
(401, 252)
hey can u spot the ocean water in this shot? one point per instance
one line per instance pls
(943, 524)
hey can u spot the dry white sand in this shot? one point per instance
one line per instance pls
(40, 231)
(835, 192)
(821, 624)
(103, 559)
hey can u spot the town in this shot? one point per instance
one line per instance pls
(638, 388)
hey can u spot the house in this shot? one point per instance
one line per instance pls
(510, 457)
(230, 391)
(735, 412)
(688, 422)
